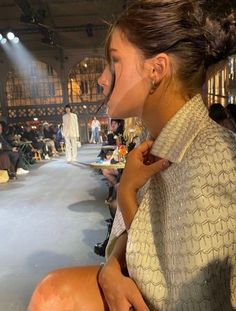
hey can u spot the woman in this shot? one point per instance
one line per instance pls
(179, 244)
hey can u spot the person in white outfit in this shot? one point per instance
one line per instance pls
(71, 133)
(95, 126)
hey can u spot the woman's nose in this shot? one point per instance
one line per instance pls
(102, 81)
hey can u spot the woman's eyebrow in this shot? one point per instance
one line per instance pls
(113, 50)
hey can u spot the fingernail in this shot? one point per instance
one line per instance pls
(165, 163)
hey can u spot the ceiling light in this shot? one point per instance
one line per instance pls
(3, 41)
(10, 35)
(16, 40)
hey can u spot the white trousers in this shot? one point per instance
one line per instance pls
(71, 148)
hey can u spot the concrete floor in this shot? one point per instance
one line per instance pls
(50, 218)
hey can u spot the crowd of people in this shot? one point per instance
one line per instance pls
(19, 146)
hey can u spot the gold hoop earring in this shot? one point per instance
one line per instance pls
(154, 85)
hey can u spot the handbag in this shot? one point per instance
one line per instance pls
(4, 177)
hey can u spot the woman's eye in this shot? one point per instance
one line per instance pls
(114, 60)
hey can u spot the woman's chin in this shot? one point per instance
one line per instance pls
(113, 113)
(118, 114)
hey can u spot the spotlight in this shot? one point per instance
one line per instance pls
(0, 37)
(10, 35)
(16, 40)
(3, 41)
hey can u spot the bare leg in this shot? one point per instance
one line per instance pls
(70, 289)
(111, 176)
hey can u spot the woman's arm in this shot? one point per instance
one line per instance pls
(120, 291)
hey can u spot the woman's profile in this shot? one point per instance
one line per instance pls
(172, 246)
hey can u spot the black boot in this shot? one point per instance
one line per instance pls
(110, 195)
(12, 175)
(100, 248)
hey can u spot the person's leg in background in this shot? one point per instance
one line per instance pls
(92, 137)
(111, 176)
(17, 162)
(5, 164)
(74, 148)
(96, 135)
(51, 145)
(68, 149)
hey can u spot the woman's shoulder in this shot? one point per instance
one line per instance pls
(213, 147)
(217, 136)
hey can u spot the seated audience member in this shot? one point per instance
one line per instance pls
(114, 136)
(13, 137)
(13, 154)
(218, 113)
(58, 138)
(5, 164)
(36, 143)
(49, 138)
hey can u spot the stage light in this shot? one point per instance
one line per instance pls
(10, 35)
(3, 41)
(16, 40)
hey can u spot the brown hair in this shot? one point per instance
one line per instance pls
(180, 28)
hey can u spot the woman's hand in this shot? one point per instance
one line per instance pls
(140, 166)
(121, 292)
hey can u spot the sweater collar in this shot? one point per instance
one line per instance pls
(180, 131)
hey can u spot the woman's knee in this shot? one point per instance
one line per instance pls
(72, 289)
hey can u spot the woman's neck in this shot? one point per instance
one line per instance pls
(159, 109)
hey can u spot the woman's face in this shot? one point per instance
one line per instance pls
(114, 126)
(132, 82)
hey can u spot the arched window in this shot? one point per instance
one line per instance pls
(82, 84)
(222, 86)
(35, 84)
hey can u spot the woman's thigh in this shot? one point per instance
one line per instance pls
(70, 289)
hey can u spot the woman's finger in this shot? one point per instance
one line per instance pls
(158, 166)
(146, 145)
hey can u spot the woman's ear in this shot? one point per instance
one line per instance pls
(160, 67)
